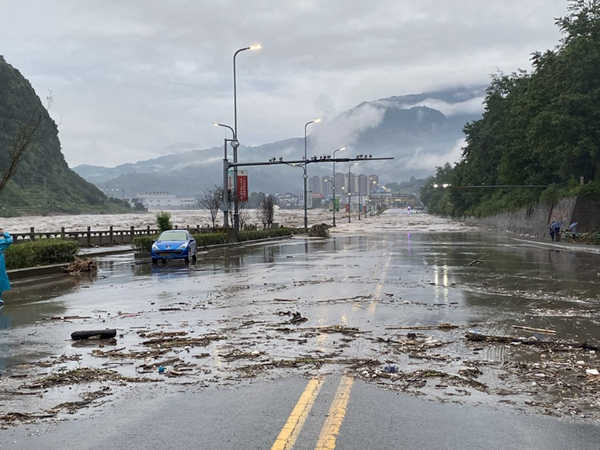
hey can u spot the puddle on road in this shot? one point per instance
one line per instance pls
(355, 303)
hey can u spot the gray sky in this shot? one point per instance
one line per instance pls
(132, 77)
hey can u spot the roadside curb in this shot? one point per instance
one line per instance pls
(38, 271)
(30, 272)
(570, 246)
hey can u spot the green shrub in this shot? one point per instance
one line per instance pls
(591, 189)
(163, 220)
(264, 234)
(41, 253)
(204, 239)
(143, 243)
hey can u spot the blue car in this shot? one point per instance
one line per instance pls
(174, 244)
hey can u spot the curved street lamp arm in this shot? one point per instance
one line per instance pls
(224, 126)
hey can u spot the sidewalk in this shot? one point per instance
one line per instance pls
(19, 274)
(562, 245)
(104, 250)
(90, 252)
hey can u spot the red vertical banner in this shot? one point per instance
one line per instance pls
(242, 185)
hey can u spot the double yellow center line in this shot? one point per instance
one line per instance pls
(290, 431)
(337, 412)
(331, 428)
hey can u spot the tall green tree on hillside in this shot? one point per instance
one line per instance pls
(22, 130)
(34, 176)
(538, 128)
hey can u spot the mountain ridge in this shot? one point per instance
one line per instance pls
(402, 127)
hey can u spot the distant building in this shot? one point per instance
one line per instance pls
(327, 187)
(315, 185)
(164, 201)
(382, 191)
(309, 199)
(372, 184)
(287, 200)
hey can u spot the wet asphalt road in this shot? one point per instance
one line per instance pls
(373, 281)
(252, 417)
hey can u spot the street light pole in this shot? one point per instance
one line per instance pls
(305, 174)
(350, 191)
(235, 142)
(359, 194)
(337, 150)
(225, 180)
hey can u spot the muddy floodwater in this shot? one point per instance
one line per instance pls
(411, 303)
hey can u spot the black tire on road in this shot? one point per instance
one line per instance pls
(95, 334)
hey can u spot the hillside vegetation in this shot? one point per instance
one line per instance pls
(538, 129)
(43, 182)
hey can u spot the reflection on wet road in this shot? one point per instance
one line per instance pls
(355, 302)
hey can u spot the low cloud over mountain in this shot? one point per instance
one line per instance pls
(421, 132)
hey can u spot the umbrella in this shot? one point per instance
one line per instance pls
(573, 225)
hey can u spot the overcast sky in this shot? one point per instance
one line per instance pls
(130, 78)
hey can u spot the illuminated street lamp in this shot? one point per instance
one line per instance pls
(305, 174)
(235, 143)
(350, 191)
(338, 150)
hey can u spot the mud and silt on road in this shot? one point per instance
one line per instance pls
(412, 303)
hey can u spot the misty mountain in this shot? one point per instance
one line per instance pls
(421, 132)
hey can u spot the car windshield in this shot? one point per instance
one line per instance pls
(173, 236)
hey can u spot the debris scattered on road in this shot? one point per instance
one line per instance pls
(390, 368)
(441, 326)
(319, 230)
(78, 376)
(534, 330)
(81, 265)
(556, 345)
(68, 317)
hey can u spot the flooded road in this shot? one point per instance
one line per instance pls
(413, 304)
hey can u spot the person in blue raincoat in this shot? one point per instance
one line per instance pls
(552, 230)
(5, 241)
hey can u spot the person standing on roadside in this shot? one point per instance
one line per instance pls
(6, 241)
(552, 230)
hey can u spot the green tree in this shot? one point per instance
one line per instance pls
(538, 128)
(163, 221)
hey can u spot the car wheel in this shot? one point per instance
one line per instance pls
(195, 257)
(187, 260)
(154, 260)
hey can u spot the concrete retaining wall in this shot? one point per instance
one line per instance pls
(535, 219)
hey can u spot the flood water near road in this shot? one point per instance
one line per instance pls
(393, 290)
